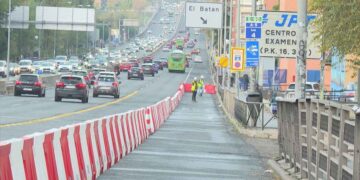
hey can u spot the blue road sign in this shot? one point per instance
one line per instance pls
(252, 53)
(253, 30)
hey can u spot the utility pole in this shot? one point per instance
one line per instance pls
(358, 87)
(230, 44)
(252, 87)
(238, 21)
(302, 49)
(224, 42)
(8, 43)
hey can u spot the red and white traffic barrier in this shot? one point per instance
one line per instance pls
(85, 150)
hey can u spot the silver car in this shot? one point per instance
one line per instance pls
(107, 85)
(72, 87)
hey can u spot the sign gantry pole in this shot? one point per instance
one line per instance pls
(302, 50)
(253, 69)
(8, 44)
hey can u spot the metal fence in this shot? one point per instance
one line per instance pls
(321, 139)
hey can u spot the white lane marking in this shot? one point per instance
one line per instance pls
(195, 155)
(176, 172)
(187, 77)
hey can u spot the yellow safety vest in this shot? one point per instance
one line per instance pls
(200, 83)
(193, 86)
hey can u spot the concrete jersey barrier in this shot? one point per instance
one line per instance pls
(84, 150)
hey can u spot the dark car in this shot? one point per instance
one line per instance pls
(106, 85)
(190, 44)
(160, 64)
(148, 68)
(29, 84)
(72, 87)
(164, 62)
(156, 67)
(136, 72)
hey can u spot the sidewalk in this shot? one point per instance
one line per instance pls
(196, 142)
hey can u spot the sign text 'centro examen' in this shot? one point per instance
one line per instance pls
(279, 35)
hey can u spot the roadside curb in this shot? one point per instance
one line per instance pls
(280, 172)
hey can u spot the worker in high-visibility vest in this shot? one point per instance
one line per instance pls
(194, 88)
(201, 85)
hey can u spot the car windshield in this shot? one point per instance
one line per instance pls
(80, 73)
(292, 86)
(147, 66)
(106, 79)
(93, 62)
(28, 78)
(176, 56)
(37, 63)
(12, 64)
(47, 64)
(60, 57)
(97, 71)
(74, 61)
(71, 80)
(25, 63)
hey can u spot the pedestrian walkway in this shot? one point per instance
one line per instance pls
(196, 142)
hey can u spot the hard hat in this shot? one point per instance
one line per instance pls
(202, 77)
(195, 78)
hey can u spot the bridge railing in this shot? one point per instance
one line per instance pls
(320, 139)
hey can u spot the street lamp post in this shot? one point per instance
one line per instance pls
(8, 43)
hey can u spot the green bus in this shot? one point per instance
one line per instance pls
(179, 43)
(177, 61)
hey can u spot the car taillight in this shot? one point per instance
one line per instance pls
(37, 83)
(80, 86)
(115, 84)
(18, 82)
(60, 85)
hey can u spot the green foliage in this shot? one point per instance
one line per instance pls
(338, 26)
(23, 41)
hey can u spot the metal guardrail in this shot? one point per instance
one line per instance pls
(255, 111)
(320, 139)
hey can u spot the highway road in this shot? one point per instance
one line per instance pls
(196, 142)
(24, 115)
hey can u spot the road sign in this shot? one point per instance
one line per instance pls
(279, 35)
(253, 30)
(252, 53)
(237, 59)
(253, 27)
(224, 61)
(203, 15)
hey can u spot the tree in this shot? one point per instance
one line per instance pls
(338, 28)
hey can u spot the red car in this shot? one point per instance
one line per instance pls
(125, 66)
(148, 59)
(195, 51)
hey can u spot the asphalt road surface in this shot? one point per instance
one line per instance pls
(196, 142)
(25, 115)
